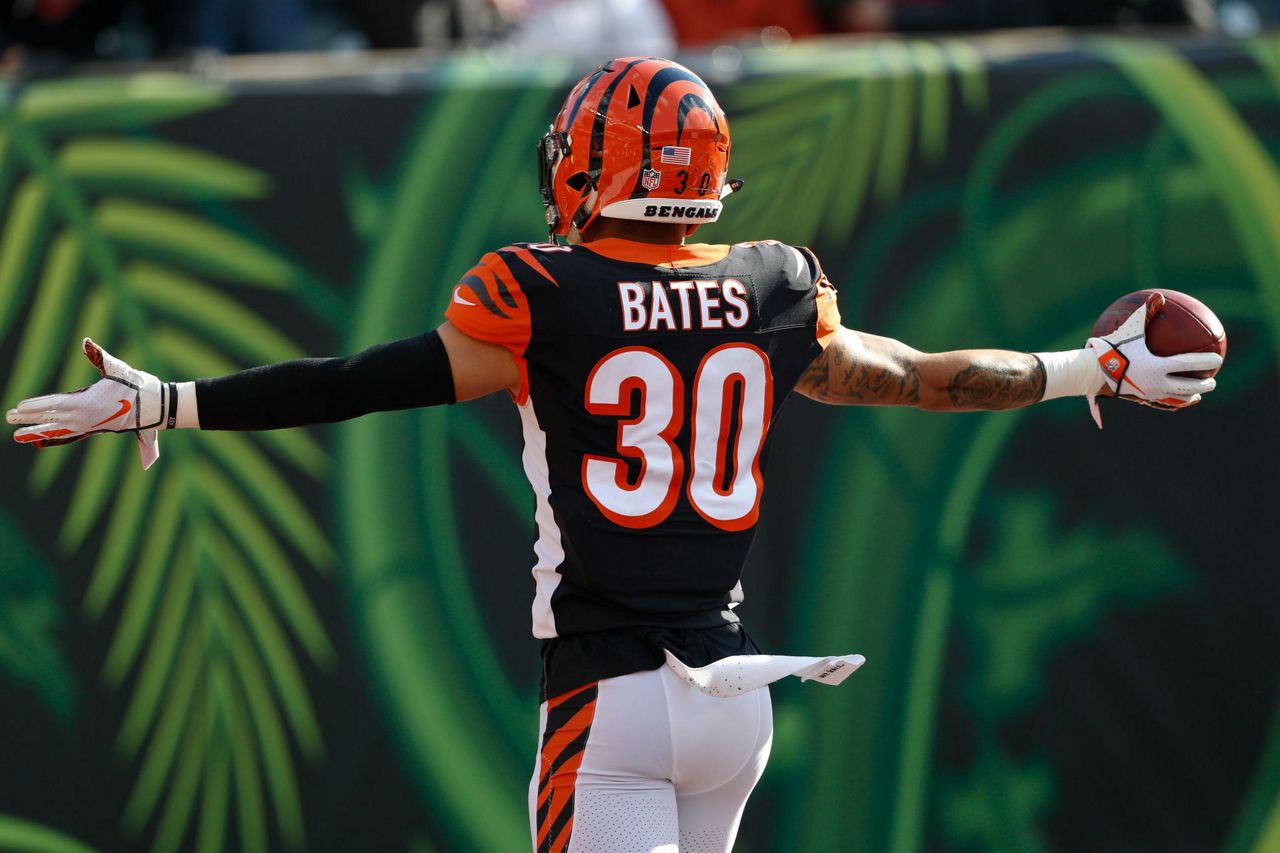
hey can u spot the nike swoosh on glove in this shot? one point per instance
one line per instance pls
(123, 400)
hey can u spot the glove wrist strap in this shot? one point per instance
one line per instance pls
(1074, 373)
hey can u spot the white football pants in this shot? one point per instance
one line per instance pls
(646, 763)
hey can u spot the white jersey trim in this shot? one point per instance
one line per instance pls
(548, 548)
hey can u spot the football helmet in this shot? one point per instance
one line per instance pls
(638, 138)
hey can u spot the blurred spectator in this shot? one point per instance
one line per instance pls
(594, 29)
(601, 28)
(437, 24)
(856, 16)
(386, 23)
(247, 26)
(49, 33)
(1110, 13)
(1243, 18)
(968, 15)
(45, 34)
(701, 22)
(65, 27)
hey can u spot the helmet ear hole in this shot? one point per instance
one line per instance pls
(577, 181)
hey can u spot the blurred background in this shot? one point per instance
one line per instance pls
(44, 34)
(319, 639)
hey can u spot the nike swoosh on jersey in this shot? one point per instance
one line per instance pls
(125, 406)
(457, 297)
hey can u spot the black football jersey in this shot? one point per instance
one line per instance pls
(651, 375)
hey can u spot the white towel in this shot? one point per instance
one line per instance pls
(733, 676)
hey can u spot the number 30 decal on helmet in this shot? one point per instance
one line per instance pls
(638, 138)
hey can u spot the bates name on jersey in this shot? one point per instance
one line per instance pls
(693, 305)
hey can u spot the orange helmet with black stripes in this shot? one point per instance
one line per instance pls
(638, 138)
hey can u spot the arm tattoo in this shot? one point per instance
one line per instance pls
(877, 377)
(869, 370)
(813, 381)
(998, 385)
(884, 381)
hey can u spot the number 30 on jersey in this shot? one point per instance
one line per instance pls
(731, 372)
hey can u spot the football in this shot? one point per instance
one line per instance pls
(1184, 324)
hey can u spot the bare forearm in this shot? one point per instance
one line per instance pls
(989, 380)
(862, 369)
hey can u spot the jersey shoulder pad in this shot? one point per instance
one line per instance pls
(824, 294)
(798, 266)
(806, 271)
(531, 263)
(801, 275)
(490, 301)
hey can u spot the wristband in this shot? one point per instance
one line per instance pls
(183, 412)
(1074, 373)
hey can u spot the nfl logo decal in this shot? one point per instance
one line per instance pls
(650, 179)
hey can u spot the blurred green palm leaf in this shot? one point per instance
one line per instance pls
(19, 834)
(842, 133)
(29, 618)
(952, 295)
(1037, 589)
(213, 619)
(1244, 174)
(1041, 587)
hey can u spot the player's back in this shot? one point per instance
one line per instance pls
(652, 374)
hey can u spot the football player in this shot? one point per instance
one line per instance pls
(647, 372)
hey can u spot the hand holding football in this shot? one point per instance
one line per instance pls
(1182, 324)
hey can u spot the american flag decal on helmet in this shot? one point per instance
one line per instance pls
(676, 155)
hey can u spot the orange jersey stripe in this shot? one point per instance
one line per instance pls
(533, 263)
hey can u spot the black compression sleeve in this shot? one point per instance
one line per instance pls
(401, 374)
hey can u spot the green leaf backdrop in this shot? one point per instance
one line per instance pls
(960, 193)
(100, 226)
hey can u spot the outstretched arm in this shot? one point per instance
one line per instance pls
(438, 367)
(857, 368)
(861, 369)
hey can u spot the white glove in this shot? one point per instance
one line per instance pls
(1134, 373)
(123, 400)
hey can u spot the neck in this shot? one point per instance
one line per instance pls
(667, 233)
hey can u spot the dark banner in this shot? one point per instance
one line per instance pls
(319, 639)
